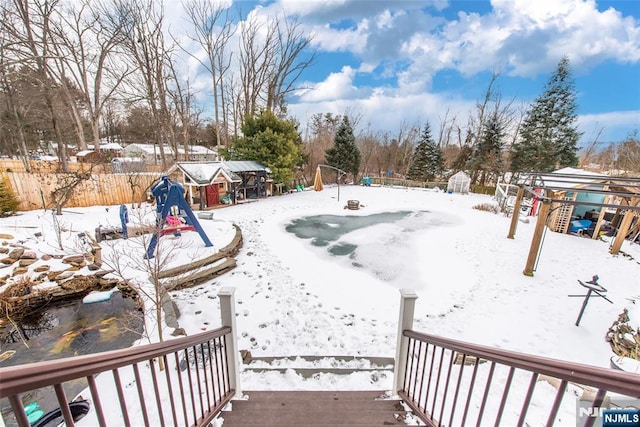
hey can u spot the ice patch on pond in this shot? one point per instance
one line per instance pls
(385, 244)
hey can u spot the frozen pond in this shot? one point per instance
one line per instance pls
(382, 243)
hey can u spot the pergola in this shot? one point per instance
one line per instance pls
(550, 190)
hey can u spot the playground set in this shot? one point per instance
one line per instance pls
(173, 217)
(173, 214)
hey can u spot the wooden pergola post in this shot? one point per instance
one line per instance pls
(516, 213)
(624, 228)
(536, 242)
(596, 231)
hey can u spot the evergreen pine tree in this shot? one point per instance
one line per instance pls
(549, 136)
(274, 142)
(344, 154)
(8, 202)
(486, 159)
(427, 161)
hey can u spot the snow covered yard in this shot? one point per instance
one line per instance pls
(295, 299)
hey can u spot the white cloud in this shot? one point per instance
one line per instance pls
(541, 33)
(339, 40)
(335, 86)
(386, 109)
(604, 126)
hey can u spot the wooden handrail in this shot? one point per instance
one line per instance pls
(602, 378)
(23, 378)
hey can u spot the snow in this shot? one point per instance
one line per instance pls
(98, 296)
(296, 299)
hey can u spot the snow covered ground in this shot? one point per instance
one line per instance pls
(294, 298)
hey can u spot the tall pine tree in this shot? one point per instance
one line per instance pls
(427, 161)
(549, 136)
(486, 162)
(344, 154)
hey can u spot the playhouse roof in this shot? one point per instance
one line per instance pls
(206, 172)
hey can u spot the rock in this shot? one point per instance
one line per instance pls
(26, 262)
(246, 356)
(41, 268)
(46, 257)
(19, 270)
(73, 268)
(179, 331)
(8, 261)
(4, 250)
(102, 273)
(94, 266)
(51, 275)
(6, 236)
(16, 253)
(73, 259)
(64, 275)
(78, 265)
(29, 255)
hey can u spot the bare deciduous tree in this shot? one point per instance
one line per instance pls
(31, 31)
(127, 256)
(142, 24)
(87, 47)
(213, 30)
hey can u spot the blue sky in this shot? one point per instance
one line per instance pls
(395, 62)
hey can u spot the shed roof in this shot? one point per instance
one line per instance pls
(239, 166)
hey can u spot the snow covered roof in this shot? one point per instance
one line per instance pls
(193, 149)
(575, 181)
(240, 166)
(111, 146)
(198, 149)
(206, 172)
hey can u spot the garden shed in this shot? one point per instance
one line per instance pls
(208, 184)
(459, 183)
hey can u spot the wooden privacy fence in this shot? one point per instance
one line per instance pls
(40, 166)
(34, 190)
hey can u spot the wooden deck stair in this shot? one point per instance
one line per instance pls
(315, 408)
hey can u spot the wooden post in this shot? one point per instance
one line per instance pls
(405, 321)
(543, 214)
(97, 253)
(228, 317)
(596, 230)
(622, 231)
(516, 213)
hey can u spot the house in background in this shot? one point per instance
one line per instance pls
(209, 184)
(150, 153)
(104, 153)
